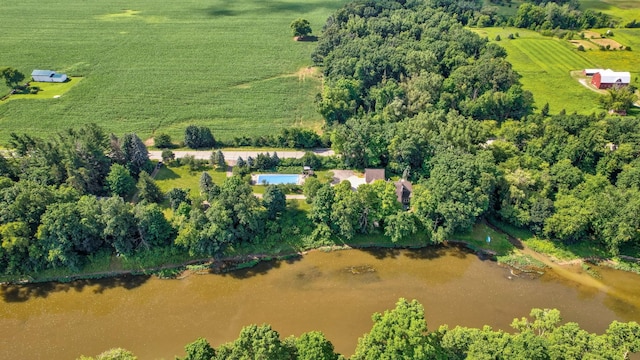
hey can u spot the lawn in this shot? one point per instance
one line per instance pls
(49, 90)
(169, 177)
(478, 236)
(160, 66)
(545, 63)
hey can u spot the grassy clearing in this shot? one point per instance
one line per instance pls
(48, 90)
(545, 64)
(150, 66)
(170, 177)
(477, 239)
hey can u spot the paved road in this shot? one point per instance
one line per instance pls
(232, 155)
(288, 196)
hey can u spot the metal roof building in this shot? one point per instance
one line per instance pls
(47, 76)
(608, 78)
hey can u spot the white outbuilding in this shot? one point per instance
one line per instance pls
(48, 76)
(608, 78)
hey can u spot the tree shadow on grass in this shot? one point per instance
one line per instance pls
(165, 173)
(227, 8)
(308, 38)
(23, 292)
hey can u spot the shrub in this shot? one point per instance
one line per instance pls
(162, 141)
(580, 48)
(498, 38)
(511, 37)
(168, 156)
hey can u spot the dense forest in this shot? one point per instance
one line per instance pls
(402, 333)
(406, 88)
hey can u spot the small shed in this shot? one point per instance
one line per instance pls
(48, 76)
(371, 175)
(608, 78)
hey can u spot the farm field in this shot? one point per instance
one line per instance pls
(622, 10)
(159, 66)
(545, 64)
(619, 60)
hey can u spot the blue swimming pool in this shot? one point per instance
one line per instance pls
(276, 179)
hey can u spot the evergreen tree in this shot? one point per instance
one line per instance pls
(217, 160)
(135, 153)
(148, 191)
(274, 201)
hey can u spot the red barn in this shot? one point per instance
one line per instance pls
(609, 78)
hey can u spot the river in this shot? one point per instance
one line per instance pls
(334, 292)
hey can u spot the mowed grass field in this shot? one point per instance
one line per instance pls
(545, 64)
(160, 66)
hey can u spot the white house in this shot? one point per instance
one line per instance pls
(48, 76)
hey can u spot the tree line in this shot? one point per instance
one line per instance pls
(201, 137)
(402, 333)
(536, 15)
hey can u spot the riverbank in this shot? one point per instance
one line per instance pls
(548, 252)
(505, 246)
(212, 265)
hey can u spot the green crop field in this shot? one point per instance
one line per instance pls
(159, 66)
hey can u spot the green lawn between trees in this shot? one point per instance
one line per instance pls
(149, 66)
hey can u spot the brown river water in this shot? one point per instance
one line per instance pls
(334, 292)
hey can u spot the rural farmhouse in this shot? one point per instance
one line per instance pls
(605, 79)
(48, 76)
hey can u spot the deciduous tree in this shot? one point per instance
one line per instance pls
(12, 77)
(314, 346)
(120, 181)
(301, 28)
(400, 333)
